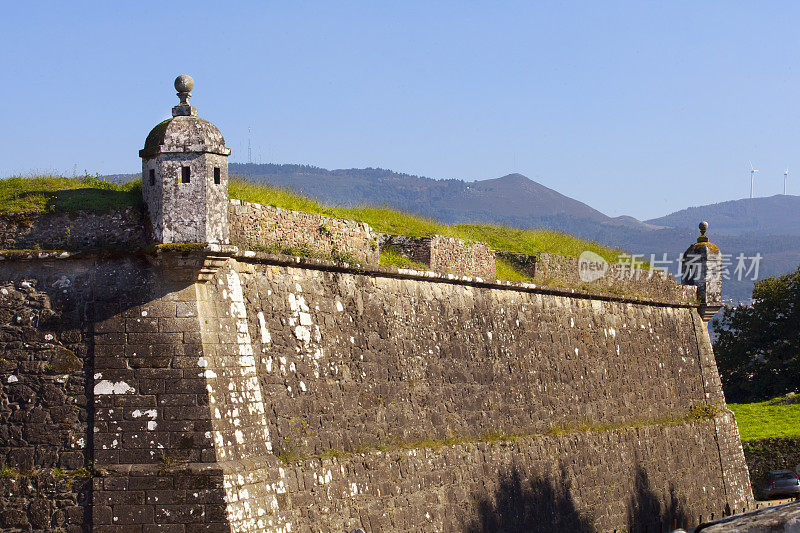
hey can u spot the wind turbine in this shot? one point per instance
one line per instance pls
(785, 175)
(752, 177)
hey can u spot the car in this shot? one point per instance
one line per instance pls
(782, 483)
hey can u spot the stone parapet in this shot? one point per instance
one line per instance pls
(264, 227)
(616, 278)
(72, 230)
(447, 255)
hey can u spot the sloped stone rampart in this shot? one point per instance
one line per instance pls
(298, 396)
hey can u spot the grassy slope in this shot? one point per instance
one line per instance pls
(56, 193)
(388, 220)
(767, 420)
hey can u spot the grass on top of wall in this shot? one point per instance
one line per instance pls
(771, 419)
(53, 193)
(390, 220)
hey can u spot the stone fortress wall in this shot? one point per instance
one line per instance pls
(294, 394)
(287, 382)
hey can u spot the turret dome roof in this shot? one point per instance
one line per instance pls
(184, 134)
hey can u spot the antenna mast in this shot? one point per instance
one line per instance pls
(250, 149)
(785, 175)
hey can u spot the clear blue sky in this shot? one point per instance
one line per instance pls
(636, 108)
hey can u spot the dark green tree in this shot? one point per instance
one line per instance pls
(758, 346)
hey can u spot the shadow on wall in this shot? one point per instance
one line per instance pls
(535, 505)
(646, 511)
(544, 505)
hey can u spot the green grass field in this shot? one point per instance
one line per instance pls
(767, 419)
(50, 193)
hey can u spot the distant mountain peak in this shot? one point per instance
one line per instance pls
(515, 177)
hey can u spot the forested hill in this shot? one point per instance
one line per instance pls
(772, 215)
(514, 200)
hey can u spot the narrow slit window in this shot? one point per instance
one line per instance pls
(152, 177)
(217, 177)
(185, 174)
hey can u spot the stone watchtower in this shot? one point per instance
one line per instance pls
(185, 176)
(702, 267)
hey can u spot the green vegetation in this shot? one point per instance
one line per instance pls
(290, 452)
(758, 347)
(394, 258)
(388, 220)
(507, 271)
(8, 472)
(705, 411)
(776, 418)
(50, 193)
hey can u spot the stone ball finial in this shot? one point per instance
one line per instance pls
(703, 228)
(184, 83)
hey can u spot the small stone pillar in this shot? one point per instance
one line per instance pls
(701, 266)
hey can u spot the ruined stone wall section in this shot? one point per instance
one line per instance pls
(264, 227)
(417, 249)
(462, 258)
(72, 230)
(446, 255)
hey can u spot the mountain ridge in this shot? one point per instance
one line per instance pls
(777, 214)
(495, 200)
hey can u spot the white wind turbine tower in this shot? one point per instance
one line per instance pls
(752, 177)
(785, 175)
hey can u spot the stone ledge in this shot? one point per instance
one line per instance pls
(228, 251)
(156, 469)
(427, 275)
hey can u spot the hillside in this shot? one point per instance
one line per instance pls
(512, 200)
(773, 215)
